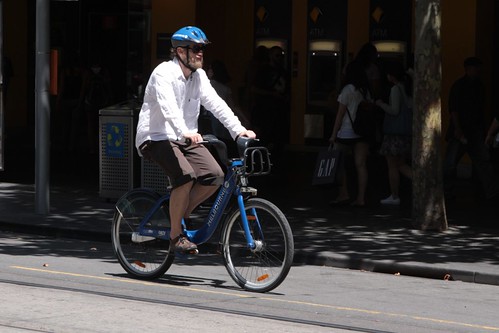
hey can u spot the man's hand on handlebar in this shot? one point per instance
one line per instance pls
(247, 134)
(191, 138)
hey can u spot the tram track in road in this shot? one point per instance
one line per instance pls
(201, 307)
(258, 304)
(12, 328)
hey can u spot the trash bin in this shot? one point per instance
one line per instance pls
(118, 158)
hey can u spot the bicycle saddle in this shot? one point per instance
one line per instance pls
(219, 147)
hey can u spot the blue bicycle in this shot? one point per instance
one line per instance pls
(256, 240)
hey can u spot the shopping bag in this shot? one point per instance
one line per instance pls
(326, 167)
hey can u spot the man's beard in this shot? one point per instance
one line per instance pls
(195, 62)
(190, 61)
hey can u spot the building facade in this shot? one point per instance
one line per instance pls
(130, 37)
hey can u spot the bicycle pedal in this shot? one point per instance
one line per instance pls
(185, 255)
(193, 252)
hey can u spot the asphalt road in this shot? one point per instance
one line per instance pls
(59, 285)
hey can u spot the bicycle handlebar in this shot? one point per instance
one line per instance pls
(209, 138)
(256, 158)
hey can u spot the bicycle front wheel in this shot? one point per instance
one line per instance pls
(142, 257)
(265, 267)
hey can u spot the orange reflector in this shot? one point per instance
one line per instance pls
(139, 263)
(251, 218)
(263, 277)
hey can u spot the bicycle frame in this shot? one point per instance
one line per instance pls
(141, 227)
(206, 231)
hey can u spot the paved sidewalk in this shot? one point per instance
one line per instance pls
(378, 239)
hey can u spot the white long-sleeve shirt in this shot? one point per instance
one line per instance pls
(171, 105)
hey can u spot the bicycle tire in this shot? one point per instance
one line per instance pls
(149, 259)
(266, 267)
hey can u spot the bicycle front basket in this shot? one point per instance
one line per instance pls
(257, 161)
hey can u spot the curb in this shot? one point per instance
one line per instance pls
(415, 270)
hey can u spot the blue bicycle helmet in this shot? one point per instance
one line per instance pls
(187, 36)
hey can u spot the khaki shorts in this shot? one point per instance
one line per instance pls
(183, 163)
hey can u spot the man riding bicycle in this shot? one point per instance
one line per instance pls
(167, 130)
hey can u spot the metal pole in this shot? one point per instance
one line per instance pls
(42, 108)
(1, 91)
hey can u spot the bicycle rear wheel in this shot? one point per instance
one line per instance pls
(142, 257)
(265, 267)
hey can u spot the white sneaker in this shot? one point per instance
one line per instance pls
(390, 201)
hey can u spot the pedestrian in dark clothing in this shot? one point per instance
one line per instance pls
(270, 113)
(466, 133)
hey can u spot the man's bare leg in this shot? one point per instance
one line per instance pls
(179, 202)
(199, 193)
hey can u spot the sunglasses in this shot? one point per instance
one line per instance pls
(197, 48)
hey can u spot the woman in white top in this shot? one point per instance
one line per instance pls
(343, 137)
(396, 145)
